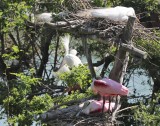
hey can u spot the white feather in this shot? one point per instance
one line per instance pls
(118, 13)
(65, 41)
(72, 60)
(74, 52)
(63, 69)
(69, 59)
(43, 17)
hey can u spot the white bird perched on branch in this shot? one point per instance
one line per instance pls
(70, 58)
(44, 17)
(118, 13)
(47, 17)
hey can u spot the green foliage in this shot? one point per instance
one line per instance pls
(75, 95)
(15, 49)
(12, 55)
(79, 75)
(152, 47)
(13, 15)
(98, 3)
(149, 114)
(21, 102)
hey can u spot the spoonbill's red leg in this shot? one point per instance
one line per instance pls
(109, 98)
(104, 100)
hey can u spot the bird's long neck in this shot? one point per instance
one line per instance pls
(65, 41)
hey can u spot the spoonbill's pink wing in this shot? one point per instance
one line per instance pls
(116, 87)
(109, 87)
(92, 106)
(96, 107)
(103, 88)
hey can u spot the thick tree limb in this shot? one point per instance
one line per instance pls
(2, 43)
(2, 67)
(13, 39)
(135, 51)
(88, 56)
(68, 112)
(56, 50)
(108, 59)
(64, 24)
(122, 57)
(121, 54)
(47, 35)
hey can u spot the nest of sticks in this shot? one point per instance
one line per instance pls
(84, 120)
(69, 116)
(102, 29)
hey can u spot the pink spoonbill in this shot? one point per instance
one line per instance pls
(108, 87)
(94, 106)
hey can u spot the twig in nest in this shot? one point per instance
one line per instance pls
(131, 107)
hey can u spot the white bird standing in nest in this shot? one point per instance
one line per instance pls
(70, 58)
(42, 17)
(47, 17)
(118, 13)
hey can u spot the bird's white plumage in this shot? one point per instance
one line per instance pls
(65, 42)
(73, 51)
(70, 59)
(43, 17)
(63, 69)
(118, 13)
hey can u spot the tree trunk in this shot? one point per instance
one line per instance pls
(46, 38)
(121, 58)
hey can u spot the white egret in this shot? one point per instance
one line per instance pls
(70, 58)
(118, 13)
(63, 69)
(47, 17)
(43, 17)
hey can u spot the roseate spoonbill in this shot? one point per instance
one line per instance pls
(94, 106)
(70, 58)
(108, 87)
(118, 13)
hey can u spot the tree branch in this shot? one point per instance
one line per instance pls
(46, 38)
(88, 56)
